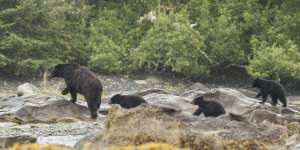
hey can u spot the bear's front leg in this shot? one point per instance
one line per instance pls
(65, 91)
(197, 112)
(73, 95)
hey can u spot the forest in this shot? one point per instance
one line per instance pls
(185, 37)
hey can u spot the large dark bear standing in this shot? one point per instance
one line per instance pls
(81, 80)
(270, 87)
(127, 101)
(209, 108)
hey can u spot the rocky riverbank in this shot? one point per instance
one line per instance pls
(45, 117)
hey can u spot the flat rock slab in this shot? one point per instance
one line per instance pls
(41, 109)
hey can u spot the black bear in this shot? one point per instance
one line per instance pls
(127, 101)
(209, 108)
(80, 79)
(270, 87)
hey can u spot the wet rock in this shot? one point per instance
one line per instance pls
(10, 141)
(27, 89)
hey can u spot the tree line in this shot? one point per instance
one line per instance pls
(124, 36)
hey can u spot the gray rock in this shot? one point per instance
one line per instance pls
(146, 92)
(151, 124)
(40, 108)
(27, 89)
(199, 86)
(171, 102)
(6, 142)
(191, 94)
(232, 100)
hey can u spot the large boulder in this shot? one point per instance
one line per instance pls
(148, 123)
(27, 89)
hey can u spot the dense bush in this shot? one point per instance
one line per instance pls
(172, 44)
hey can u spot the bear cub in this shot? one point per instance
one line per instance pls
(209, 108)
(272, 88)
(80, 79)
(127, 101)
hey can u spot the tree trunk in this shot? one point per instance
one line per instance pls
(45, 78)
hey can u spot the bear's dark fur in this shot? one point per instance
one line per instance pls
(80, 79)
(209, 108)
(272, 88)
(127, 101)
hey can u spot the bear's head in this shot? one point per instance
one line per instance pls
(57, 71)
(198, 100)
(256, 83)
(116, 99)
(61, 69)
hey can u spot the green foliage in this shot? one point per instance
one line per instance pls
(220, 32)
(172, 44)
(39, 34)
(275, 61)
(182, 36)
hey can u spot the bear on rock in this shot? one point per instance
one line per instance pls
(127, 101)
(80, 79)
(208, 108)
(272, 88)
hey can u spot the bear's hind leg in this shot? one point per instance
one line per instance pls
(258, 95)
(283, 101)
(92, 105)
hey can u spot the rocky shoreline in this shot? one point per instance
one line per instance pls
(42, 117)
